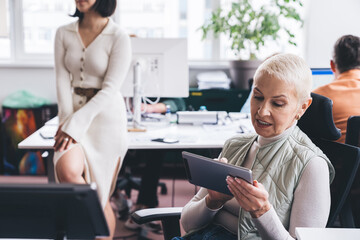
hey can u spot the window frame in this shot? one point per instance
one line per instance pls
(19, 42)
(18, 56)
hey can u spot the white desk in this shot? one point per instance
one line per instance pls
(327, 233)
(189, 136)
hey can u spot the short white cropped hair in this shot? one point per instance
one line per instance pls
(291, 69)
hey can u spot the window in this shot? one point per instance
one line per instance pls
(28, 27)
(41, 18)
(271, 46)
(4, 30)
(169, 19)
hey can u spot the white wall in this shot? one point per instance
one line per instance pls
(327, 20)
(38, 81)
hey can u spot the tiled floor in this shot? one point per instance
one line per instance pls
(179, 193)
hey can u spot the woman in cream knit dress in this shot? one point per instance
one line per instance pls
(92, 58)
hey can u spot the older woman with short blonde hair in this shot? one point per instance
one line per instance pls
(292, 186)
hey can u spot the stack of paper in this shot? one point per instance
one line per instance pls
(214, 79)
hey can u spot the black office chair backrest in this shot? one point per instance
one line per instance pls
(318, 124)
(318, 119)
(353, 138)
(353, 131)
(346, 160)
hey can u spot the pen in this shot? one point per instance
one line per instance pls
(241, 129)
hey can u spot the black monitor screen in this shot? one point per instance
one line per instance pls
(51, 210)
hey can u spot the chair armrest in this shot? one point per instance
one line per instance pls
(153, 214)
(169, 219)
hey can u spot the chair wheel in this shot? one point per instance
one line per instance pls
(163, 190)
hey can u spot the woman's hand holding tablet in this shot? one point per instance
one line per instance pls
(211, 174)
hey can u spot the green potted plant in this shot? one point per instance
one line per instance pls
(249, 24)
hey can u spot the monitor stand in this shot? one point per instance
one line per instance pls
(136, 121)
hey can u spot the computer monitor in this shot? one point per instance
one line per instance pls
(51, 211)
(164, 70)
(321, 76)
(159, 69)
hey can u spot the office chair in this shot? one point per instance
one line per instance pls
(318, 124)
(353, 138)
(128, 182)
(345, 159)
(353, 131)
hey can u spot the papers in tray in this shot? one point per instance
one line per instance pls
(214, 79)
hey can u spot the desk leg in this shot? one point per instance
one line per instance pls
(50, 166)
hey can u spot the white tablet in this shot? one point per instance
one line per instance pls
(211, 174)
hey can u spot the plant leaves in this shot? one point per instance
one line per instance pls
(248, 27)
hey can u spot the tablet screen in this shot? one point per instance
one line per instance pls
(211, 174)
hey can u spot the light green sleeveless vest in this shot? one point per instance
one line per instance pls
(278, 166)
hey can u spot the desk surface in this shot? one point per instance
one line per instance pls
(189, 136)
(327, 233)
